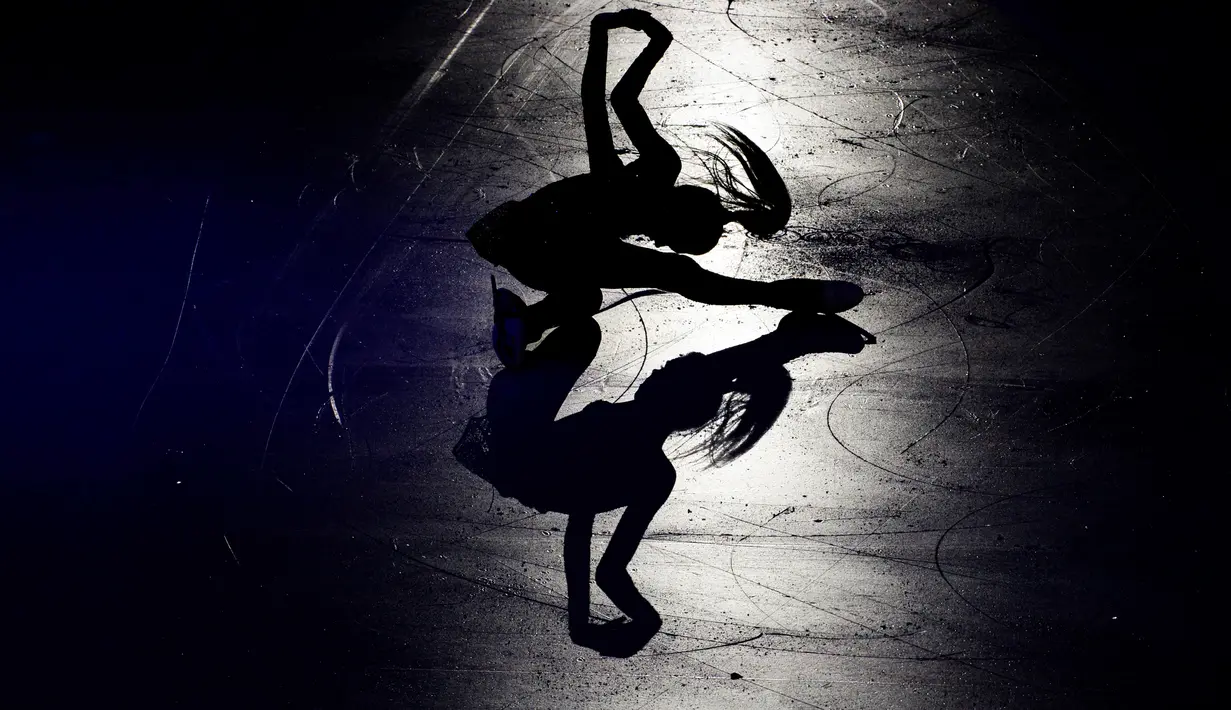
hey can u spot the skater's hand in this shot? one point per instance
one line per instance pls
(592, 635)
(633, 19)
(642, 21)
(618, 638)
(605, 21)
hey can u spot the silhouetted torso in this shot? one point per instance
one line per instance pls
(584, 209)
(591, 461)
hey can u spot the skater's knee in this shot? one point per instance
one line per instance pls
(590, 301)
(579, 337)
(577, 302)
(589, 336)
(572, 302)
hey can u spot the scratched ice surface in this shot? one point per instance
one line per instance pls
(902, 537)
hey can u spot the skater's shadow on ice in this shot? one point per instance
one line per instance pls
(610, 455)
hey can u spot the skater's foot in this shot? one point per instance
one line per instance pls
(838, 296)
(814, 333)
(509, 329)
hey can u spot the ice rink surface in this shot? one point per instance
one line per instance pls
(969, 513)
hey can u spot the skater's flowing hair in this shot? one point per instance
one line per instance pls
(754, 403)
(761, 204)
(729, 413)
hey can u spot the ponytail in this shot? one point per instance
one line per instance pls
(756, 399)
(761, 204)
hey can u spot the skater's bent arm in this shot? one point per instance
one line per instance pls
(656, 155)
(633, 81)
(601, 148)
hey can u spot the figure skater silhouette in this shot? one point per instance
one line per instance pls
(566, 238)
(610, 455)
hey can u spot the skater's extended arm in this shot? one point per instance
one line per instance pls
(657, 160)
(603, 158)
(629, 266)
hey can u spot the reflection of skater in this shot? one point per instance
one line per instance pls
(565, 239)
(610, 455)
